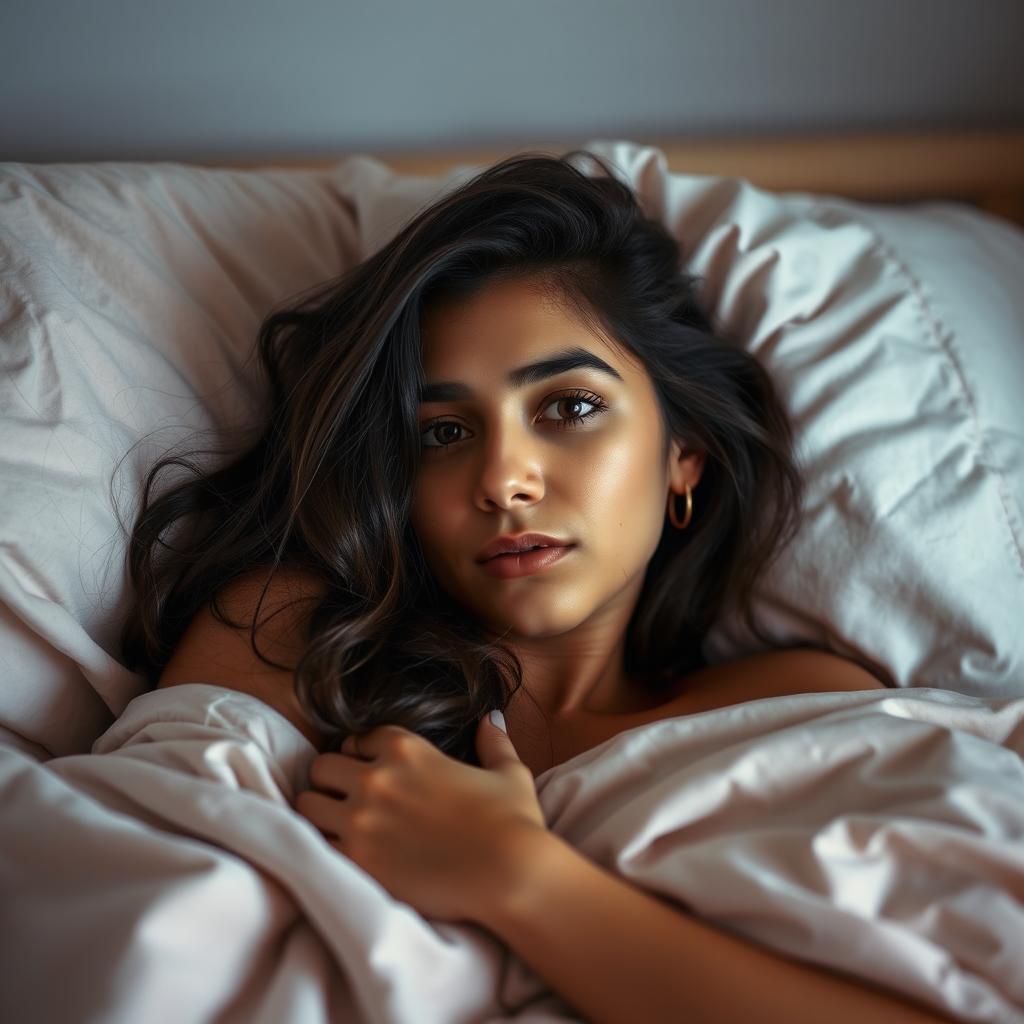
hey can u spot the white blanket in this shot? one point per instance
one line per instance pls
(165, 875)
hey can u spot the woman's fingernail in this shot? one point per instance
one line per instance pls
(499, 720)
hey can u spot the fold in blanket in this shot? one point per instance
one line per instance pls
(166, 875)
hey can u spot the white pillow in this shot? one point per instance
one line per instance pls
(131, 295)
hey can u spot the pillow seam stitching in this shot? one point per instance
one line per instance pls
(942, 333)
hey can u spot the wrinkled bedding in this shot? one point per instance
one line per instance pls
(166, 875)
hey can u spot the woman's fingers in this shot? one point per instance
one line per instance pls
(326, 812)
(335, 773)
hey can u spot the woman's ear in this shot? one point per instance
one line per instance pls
(686, 466)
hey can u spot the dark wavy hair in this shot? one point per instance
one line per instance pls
(327, 485)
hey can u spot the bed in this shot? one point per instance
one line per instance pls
(151, 856)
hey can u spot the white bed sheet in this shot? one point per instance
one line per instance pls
(881, 833)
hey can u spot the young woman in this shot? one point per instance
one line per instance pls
(508, 464)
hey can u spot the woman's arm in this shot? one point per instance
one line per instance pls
(618, 955)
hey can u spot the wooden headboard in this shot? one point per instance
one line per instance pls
(984, 168)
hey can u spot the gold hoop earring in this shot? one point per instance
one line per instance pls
(672, 509)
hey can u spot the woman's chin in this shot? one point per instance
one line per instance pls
(519, 628)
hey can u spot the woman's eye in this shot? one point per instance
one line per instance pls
(571, 406)
(432, 431)
(571, 402)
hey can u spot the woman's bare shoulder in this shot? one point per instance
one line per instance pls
(810, 666)
(213, 652)
(775, 673)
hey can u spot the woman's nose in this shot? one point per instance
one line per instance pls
(510, 472)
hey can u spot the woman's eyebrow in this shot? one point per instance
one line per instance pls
(568, 359)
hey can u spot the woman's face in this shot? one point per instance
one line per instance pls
(504, 457)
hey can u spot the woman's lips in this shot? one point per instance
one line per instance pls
(524, 563)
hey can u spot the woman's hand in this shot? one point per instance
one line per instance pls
(437, 833)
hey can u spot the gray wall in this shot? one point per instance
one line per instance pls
(234, 79)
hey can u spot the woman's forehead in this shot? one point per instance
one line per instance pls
(510, 332)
